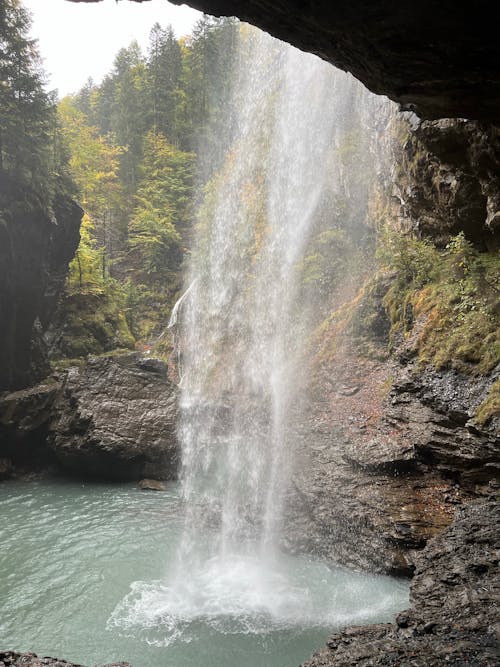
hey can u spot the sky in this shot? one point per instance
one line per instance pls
(78, 40)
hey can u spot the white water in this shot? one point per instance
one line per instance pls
(242, 328)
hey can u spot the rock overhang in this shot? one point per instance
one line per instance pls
(437, 59)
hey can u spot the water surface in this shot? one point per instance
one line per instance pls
(83, 572)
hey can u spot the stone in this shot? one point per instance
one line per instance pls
(115, 418)
(453, 614)
(25, 416)
(5, 468)
(151, 485)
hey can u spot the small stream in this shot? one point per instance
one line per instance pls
(82, 576)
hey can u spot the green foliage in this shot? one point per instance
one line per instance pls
(452, 293)
(163, 208)
(94, 165)
(94, 161)
(30, 149)
(94, 322)
(490, 407)
(85, 270)
(414, 260)
(164, 70)
(208, 58)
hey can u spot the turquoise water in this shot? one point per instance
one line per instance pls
(84, 572)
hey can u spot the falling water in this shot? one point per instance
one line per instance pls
(243, 323)
(241, 327)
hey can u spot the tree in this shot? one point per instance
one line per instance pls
(208, 59)
(130, 111)
(163, 209)
(94, 164)
(27, 118)
(164, 76)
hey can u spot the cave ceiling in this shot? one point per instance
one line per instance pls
(440, 59)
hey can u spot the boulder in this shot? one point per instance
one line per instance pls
(25, 416)
(115, 418)
(151, 485)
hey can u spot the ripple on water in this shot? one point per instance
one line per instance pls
(84, 572)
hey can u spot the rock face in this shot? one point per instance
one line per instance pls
(115, 419)
(453, 618)
(387, 453)
(112, 418)
(440, 59)
(35, 249)
(13, 659)
(151, 485)
(448, 181)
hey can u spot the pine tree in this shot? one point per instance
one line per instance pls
(164, 76)
(27, 112)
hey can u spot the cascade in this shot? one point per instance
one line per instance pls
(241, 326)
(244, 321)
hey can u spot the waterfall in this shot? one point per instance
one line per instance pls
(241, 327)
(243, 323)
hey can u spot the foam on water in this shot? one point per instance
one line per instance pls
(241, 594)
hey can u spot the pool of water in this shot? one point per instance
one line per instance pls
(86, 574)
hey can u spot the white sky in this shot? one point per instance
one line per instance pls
(78, 40)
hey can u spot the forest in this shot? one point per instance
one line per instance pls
(127, 150)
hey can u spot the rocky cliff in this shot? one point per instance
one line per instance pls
(448, 181)
(36, 246)
(388, 454)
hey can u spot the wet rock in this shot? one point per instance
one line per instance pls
(454, 594)
(360, 496)
(382, 455)
(435, 418)
(449, 183)
(5, 468)
(382, 471)
(115, 419)
(13, 659)
(25, 416)
(151, 485)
